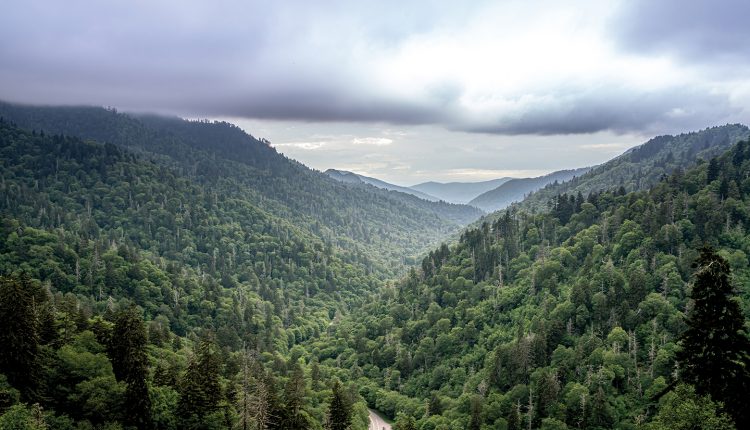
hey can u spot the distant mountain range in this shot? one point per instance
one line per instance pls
(354, 178)
(489, 196)
(636, 169)
(458, 192)
(451, 192)
(516, 190)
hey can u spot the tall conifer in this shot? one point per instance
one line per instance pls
(339, 411)
(200, 391)
(130, 364)
(715, 353)
(19, 337)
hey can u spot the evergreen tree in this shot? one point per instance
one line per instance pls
(294, 400)
(19, 335)
(713, 170)
(130, 365)
(475, 422)
(514, 418)
(435, 407)
(715, 353)
(339, 410)
(200, 392)
(277, 413)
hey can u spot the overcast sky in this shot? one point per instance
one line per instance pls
(406, 91)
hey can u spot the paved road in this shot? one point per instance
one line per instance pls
(377, 422)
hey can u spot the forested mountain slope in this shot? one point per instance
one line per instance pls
(164, 281)
(517, 189)
(563, 319)
(226, 289)
(386, 228)
(641, 167)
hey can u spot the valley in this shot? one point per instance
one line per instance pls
(339, 215)
(187, 273)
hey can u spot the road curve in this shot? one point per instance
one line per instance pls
(377, 422)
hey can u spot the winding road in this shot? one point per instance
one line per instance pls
(377, 422)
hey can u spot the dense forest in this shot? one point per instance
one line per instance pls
(92, 234)
(382, 229)
(570, 318)
(165, 274)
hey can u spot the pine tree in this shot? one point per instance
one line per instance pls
(435, 407)
(277, 414)
(200, 392)
(19, 335)
(713, 170)
(514, 418)
(339, 411)
(130, 364)
(475, 422)
(715, 353)
(294, 400)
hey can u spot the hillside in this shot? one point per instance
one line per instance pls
(388, 229)
(564, 319)
(96, 240)
(641, 167)
(458, 192)
(350, 177)
(163, 250)
(516, 190)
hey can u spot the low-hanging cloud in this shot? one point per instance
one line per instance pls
(620, 110)
(469, 68)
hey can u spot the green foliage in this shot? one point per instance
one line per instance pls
(138, 251)
(22, 417)
(569, 317)
(378, 228)
(405, 422)
(99, 229)
(683, 409)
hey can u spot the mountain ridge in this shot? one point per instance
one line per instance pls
(351, 177)
(644, 165)
(392, 226)
(517, 189)
(458, 192)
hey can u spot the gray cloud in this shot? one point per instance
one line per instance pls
(621, 110)
(697, 30)
(311, 61)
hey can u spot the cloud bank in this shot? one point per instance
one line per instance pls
(506, 68)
